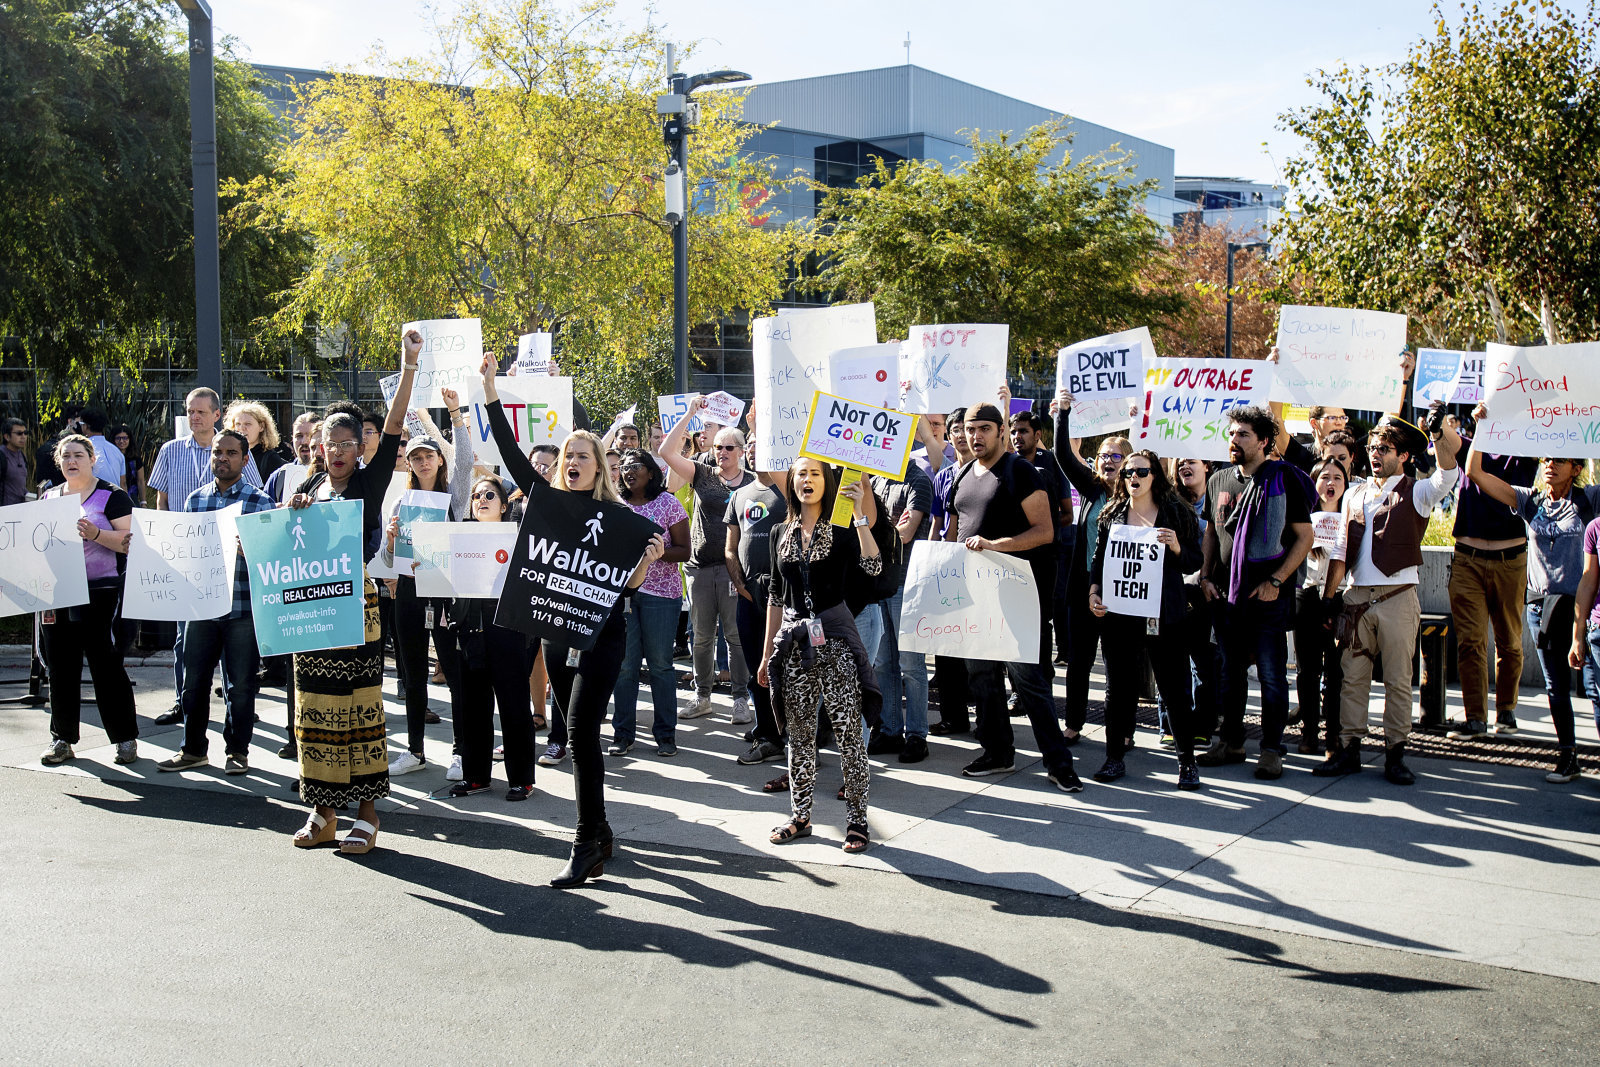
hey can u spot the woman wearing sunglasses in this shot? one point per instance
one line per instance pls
(1095, 487)
(1144, 497)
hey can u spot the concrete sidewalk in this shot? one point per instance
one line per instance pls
(1477, 862)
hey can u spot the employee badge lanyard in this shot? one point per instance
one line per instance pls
(813, 624)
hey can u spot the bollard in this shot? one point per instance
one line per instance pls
(1433, 640)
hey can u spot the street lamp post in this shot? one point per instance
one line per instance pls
(676, 129)
(203, 164)
(1227, 334)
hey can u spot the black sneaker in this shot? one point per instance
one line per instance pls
(1506, 724)
(915, 750)
(1345, 760)
(1471, 730)
(885, 744)
(987, 764)
(1188, 775)
(466, 789)
(620, 749)
(1066, 780)
(1566, 767)
(1110, 771)
(519, 792)
(170, 718)
(945, 728)
(289, 751)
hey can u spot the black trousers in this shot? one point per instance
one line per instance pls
(955, 692)
(582, 693)
(752, 620)
(1031, 680)
(494, 672)
(1319, 667)
(87, 633)
(1084, 630)
(1124, 638)
(411, 636)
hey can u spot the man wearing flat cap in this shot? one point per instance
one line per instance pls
(1380, 545)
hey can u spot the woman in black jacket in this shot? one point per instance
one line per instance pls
(1144, 497)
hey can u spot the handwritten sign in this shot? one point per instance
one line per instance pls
(417, 505)
(946, 367)
(1339, 356)
(1187, 404)
(41, 557)
(870, 375)
(724, 409)
(1106, 368)
(790, 351)
(306, 581)
(674, 408)
(975, 605)
(1541, 401)
(451, 352)
(1131, 581)
(1325, 528)
(539, 409)
(390, 385)
(1102, 416)
(1438, 370)
(533, 353)
(180, 567)
(853, 434)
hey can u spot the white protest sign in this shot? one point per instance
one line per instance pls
(1105, 368)
(671, 410)
(452, 349)
(293, 475)
(178, 567)
(1131, 581)
(722, 408)
(624, 418)
(539, 409)
(790, 351)
(1469, 386)
(975, 605)
(417, 506)
(41, 557)
(1325, 528)
(430, 558)
(390, 386)
(1187, 403)
(1101, 416)
(853, 434)
(1541, 401)
(533, 353)
(1339, 356)
(945, 367)
(870, 375)
(473, 558)
(1438, 371)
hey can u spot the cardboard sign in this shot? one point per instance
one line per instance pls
(572, 556)
(853, 434)
(724, 409)
(1541, 401)
(41, 557)
(1106, 368)
(417, 505)
(1325, 528)
(1131, 581)
(1438, 370)
(533, 354)
(306, 580)
(673, 408)
(539, 410)
(180, 565)
(1187, 404)
(452, 349)
(414, 427)
(870, 375)
(1339, 356)
(946, 367)
(790, 351)
(975, 605)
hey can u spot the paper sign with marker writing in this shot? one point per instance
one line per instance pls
(533, 354)
(946, 367)
(1187, 404)
(853, 434)
(539, 409)
(724, 409)
(1325, 528)
(414, 427)
(870, 375)
(1131, 581)
(1541, 401)
(672, 410)
(1101, 416)
(974, 605)
(791, 351)
(180, 569)
(1438, 370)
(451, 352)
(1107, 368)
(41, 557)
(1341, 357)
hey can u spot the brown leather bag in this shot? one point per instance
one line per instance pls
(1344, 627)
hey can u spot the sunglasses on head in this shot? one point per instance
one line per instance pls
(1135, 472)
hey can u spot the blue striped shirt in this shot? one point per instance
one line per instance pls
(184, 465)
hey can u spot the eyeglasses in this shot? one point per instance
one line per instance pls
(1340, 419)
(369, 432)
(342, 446)
(1379, 450)
(1135, 472)
(1110, 457)
(729, 448)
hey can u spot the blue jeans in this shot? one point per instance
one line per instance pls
(1256, 630)
(652, 625)
(1557, 677)
(901, 672)
(1591, 673)
(233, 642)
(869, 624)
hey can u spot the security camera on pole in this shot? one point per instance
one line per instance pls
(679, 111)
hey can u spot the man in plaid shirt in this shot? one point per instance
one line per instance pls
(230, 639)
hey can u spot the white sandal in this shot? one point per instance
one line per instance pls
(317, 831)
(359, 846)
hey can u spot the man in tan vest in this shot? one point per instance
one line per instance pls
(1380, 545)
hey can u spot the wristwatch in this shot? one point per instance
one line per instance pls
(859, 520)
(1277, 583)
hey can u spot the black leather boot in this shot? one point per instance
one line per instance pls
(1394, 765)
(1346, 759)
(588, 861)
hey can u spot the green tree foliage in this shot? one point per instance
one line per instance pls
(515, 175)
(96, 224)
(1060, 252)
(1460, 185)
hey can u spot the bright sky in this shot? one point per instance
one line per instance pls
(1207, 79)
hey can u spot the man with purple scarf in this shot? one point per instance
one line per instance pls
(1258, 532)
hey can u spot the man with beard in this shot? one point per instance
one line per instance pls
(1258, 531)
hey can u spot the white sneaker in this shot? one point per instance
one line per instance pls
(742, 715)
(454, 774)
(404, 763)
(700, 709)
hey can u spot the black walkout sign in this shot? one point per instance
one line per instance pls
(573, 557)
